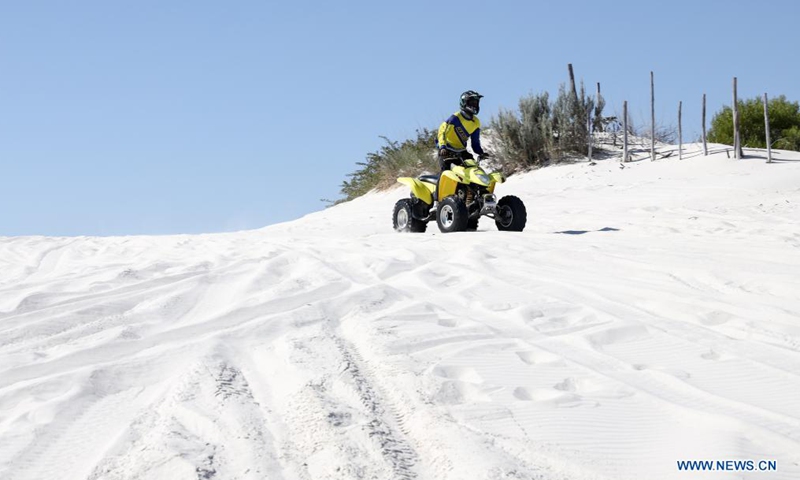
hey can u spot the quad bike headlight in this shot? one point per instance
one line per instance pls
(484, 178)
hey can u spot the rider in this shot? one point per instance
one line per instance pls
(456, 130)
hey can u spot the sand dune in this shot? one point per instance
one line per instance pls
(646, 315)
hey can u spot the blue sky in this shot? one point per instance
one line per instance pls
(160, 117)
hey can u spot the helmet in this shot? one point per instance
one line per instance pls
(470, 103)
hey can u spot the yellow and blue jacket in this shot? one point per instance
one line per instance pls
(456, 130)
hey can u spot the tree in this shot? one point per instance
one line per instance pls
(784, 124)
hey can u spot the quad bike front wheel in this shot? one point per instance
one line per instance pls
(452, 215)
(404, 221)
(511, 214)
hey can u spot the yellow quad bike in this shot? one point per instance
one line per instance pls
(463, 194)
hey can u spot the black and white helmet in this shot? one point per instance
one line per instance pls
(470, 103)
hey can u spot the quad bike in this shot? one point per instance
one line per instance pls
(457, 199)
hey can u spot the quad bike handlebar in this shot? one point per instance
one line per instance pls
(449, 161)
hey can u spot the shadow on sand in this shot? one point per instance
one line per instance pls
(581, 232)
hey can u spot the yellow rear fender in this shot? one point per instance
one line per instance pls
(421, 190)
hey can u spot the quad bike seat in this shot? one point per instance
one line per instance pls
(434, 179)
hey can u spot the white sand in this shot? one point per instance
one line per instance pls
(646, 315)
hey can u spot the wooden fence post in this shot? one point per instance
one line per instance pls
(589, 136)
(766, 126)
(652, 118)
(737, 142)
(598, 127)
(624, 131)
(705, 137)
(680, 132)
(572, 81)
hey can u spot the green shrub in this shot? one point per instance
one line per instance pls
(543, 131)
(784, 122)
(789, 139)
(524, 140)
(571, 112)
(395, 159)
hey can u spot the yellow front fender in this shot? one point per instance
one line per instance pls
(496, 177)
(448, 182)
(421, 190)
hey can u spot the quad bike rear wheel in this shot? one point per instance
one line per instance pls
(403, 220)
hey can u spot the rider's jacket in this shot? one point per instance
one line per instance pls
(456, 130)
